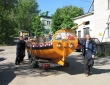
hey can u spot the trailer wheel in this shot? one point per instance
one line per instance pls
(30, 60)
(34, 63)
(78, 50)
(29, 57)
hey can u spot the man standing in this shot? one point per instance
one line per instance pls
(88, 51)
(20, 50)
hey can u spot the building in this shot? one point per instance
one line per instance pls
(84, 29)
(99, 19)
(46, 24)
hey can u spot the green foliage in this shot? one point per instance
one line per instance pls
(7, 24)
(36, 26)
(102, 54)
(44, 13)
(16, 15)
(25, 10)
(63, 17)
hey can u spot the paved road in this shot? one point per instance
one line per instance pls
(73, 75)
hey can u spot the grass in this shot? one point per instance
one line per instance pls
(102, 54)
(3, 44)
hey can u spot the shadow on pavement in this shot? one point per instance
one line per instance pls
(102, 61)
(6, 74)
(76, 67)
(2, 59)
(2, 50)
(76, 62)
(25, 70)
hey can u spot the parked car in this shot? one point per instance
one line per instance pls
(79, 47)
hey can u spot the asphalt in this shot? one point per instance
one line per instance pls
(11, 74)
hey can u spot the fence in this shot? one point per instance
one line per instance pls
(103, 48)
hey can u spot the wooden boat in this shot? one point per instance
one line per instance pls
(63, 43)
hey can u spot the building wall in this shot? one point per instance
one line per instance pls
(90, 18)
(46, 25)
(97, 21)
(101, 14)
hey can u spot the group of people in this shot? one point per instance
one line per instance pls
(88, 51)
(43, 39)
(21, 45)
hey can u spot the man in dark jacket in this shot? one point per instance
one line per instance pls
(88, 51)
(20, 50)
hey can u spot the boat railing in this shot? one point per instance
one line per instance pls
(39, 40)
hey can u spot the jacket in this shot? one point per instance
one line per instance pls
(91, 47)
(20, 48)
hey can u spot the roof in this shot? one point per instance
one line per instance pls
(46, 16)
(85, 15)
(23, 31)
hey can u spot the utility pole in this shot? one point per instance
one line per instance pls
(106, 27)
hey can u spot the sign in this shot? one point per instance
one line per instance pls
(100, 34)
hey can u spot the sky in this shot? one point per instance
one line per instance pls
(52, 5)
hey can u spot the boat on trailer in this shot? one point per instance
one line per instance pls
(54, 52)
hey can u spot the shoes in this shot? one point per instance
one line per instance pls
(17, 63)
(22, 60)
(86, 75)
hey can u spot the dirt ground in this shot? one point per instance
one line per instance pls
(11, 74)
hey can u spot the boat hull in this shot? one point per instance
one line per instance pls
(53, 53)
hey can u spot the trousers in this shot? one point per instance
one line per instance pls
(17, 60)
(88, 63)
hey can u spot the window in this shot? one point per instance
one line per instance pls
(108, 4)
(86, 31)
(79, 34)
(48, 22)
(46, 31)
(44, 22)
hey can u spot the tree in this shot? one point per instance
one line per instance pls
(25, 10)
(7, 24)
(16, 15)
(63, 17)
(44, 13)
(36, 26)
